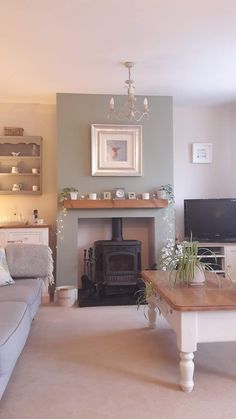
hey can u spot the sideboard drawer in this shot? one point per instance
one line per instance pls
(24, 235)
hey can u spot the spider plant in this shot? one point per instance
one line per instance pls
(184, 262)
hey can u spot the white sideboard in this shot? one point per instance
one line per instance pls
(225, 254)
(31, 234)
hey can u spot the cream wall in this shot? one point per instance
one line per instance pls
(191, 124)
(36, 119)
(216, 180)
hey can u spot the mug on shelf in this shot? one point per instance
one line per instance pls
(35, 188)
(17, 186)
(145, 195)
(93, 196)
(35, 171)
(14, 169)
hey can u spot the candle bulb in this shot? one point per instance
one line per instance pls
(112, 103)
(145, 104)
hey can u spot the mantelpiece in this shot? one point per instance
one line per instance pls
(116, 204)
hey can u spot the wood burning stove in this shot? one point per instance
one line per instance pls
(117, 262)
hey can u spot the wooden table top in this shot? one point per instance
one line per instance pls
(217, 293)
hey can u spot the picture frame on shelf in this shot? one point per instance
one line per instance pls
(116, 150)
(201, 153)
(131, 195)
(106, 195)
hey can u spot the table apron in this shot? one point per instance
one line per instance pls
(193, 327)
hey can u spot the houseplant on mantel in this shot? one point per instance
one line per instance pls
(184, 263)
(68, 193)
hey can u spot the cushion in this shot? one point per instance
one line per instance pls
(5, 277)
(27, 260)
(14, 329)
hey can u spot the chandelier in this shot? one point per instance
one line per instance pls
(129, 110)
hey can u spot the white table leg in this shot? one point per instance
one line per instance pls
(152, 313)
(186, 366)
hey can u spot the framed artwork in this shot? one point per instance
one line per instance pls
(116, 150)
(106, 195)
(131, 195)
(202, 153)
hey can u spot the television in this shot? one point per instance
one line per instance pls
(210, 220)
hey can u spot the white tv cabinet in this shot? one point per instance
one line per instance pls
(225, 258)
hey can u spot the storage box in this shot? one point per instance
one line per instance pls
(13, 131)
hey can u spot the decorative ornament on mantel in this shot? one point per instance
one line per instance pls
(129, 110)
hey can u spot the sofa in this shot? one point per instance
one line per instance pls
(30, 269)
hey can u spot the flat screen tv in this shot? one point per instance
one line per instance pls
(210, 219)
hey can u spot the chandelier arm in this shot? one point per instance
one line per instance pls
(129, 110)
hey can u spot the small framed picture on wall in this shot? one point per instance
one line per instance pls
(201, 153)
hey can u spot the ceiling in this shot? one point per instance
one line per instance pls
(181, 48)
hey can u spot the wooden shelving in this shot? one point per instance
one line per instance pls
(116, 203)
(20, 165)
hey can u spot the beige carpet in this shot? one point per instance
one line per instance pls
(104, 363)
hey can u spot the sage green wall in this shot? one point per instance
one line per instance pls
(75, 114)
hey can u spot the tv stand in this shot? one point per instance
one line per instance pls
(223, 261)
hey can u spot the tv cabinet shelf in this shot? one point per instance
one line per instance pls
(223, 259)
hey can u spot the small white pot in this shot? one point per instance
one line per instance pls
(66, 295)
(199, 277)
(73, 195)
(161, 194)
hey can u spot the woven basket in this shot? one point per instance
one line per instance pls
(13, 131)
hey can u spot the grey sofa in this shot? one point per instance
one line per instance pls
(31, 267)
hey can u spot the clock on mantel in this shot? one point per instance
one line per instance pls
(119, 193)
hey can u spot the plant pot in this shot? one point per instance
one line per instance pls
(199, 277)
(161, 194)
(73, 195)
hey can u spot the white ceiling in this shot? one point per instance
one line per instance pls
(182, 48)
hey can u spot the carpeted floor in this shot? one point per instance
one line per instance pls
(104, 363)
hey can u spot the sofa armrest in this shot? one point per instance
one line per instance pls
(30, 261)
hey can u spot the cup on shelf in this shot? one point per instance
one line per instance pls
(17, 186)
(145, 195)
(14, 169)
(35, 188)
(93, 196)
(35, 171)
(40, 221)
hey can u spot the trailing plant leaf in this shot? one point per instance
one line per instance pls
(143, 295)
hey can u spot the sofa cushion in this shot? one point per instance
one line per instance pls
(14, 329)
(5, 277)
(25, 290)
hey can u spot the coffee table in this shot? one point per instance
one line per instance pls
(202, 313)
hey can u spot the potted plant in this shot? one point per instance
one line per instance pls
(68, 193)
(184, 263)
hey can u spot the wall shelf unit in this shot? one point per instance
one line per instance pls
(20, 164)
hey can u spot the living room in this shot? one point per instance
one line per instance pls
(191, 95)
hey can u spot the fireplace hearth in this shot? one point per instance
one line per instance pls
(116, 271)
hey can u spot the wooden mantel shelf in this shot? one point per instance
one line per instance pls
(115, 203)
